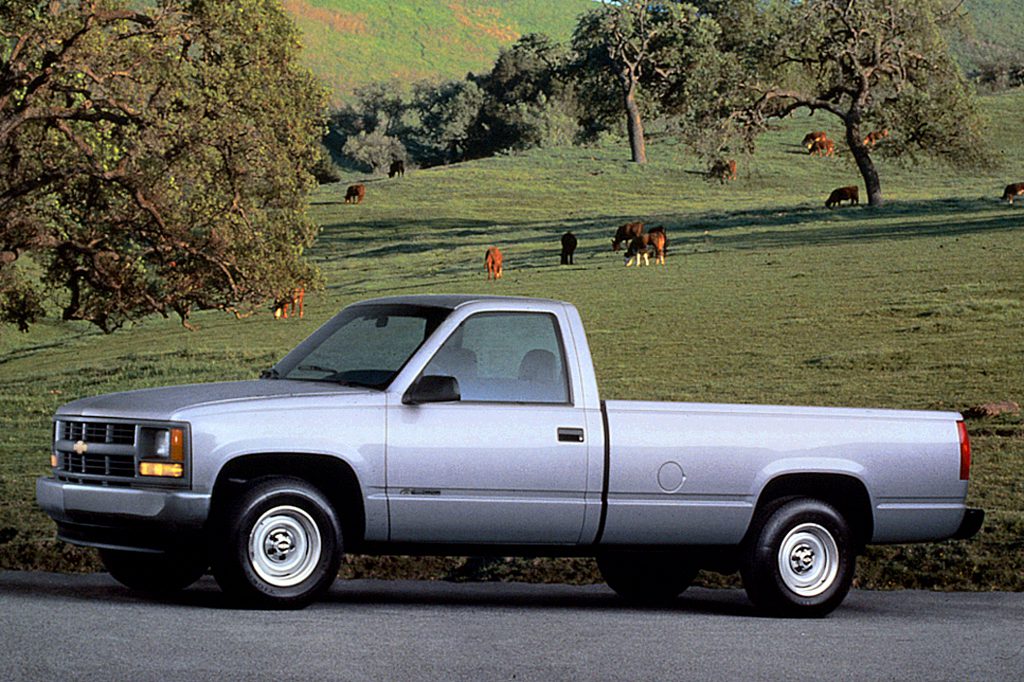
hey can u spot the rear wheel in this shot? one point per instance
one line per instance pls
(800, 559)
(648, 578)
(277, 545)
(156, 573)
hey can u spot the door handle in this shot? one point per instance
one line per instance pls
(569, 435)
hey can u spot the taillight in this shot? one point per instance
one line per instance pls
(965, 451)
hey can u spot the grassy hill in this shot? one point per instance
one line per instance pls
(767, 297)
(352, 42)
(994, 28)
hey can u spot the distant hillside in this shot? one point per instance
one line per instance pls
(351, 42)
(995, 29)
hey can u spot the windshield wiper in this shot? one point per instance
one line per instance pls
(317, 368)
(270, 373)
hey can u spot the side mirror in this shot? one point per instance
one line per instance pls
(432, 389)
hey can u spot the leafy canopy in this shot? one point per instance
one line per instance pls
(155, 161)
(875, 65)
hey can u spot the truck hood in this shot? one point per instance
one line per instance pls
(166, 402)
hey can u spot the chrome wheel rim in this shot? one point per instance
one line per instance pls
(284, 546)
(808, 560)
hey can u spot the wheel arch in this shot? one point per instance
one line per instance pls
(846, 493)
(332, 476)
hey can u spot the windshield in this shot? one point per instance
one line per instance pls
(364, 345)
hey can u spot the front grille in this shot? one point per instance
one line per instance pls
(98, 432)
(107, 452)
(100, 465)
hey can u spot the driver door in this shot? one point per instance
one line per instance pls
(507, 464)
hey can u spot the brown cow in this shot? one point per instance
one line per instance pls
(814, 136)
(637, 249)
(822, 148)
(626, 232)
(876, 136)
(723, 170)
(397, 168)
(492, 261)
(658, 241)
(851, 194)
(295, 299)
(568, 248)
(355, 194)
(640, 247)
(1014, 190)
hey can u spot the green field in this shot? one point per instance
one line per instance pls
(767, 297)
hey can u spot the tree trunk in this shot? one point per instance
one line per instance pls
(634, 124)
(862, 156)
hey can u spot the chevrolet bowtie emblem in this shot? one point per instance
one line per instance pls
(81, 447)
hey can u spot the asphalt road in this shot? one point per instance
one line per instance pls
(56, 627)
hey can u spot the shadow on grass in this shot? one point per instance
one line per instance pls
(807, 226)
(745, 229)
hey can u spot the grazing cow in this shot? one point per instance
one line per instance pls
(814, 136)
(658, 241)
(295, 299)
(627, 232)
(492, 261)
(1014, 190)
(640, 247)
(568, 248)
(876, 136)
(637, 249)
(397, 168)
(851, 194)
(723, 170)
(355, 194)
(822, 148)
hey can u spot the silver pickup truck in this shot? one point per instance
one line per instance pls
(472, 425)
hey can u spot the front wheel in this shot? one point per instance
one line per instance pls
(161, 573)
(799, 560)
(277, 545)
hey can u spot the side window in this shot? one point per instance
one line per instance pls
(506, 357)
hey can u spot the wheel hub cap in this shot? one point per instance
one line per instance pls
(284, 546)
(808, 560)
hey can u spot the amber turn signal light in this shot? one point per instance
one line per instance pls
(161, 469)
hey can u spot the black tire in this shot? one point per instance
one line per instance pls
(162, 573)
(647, 578)
(799, 560)
(278, 544)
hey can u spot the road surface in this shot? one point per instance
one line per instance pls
(88, 627)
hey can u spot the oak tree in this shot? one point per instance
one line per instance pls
(155, 160)
(874, 65)
(653, 52)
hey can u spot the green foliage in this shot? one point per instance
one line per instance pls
(374, 149)
(155, 163)
(647, 58)
(525, 101)
(324, 169)
(529, 98)
(447, 114)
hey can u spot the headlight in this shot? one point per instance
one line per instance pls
(162, 453)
